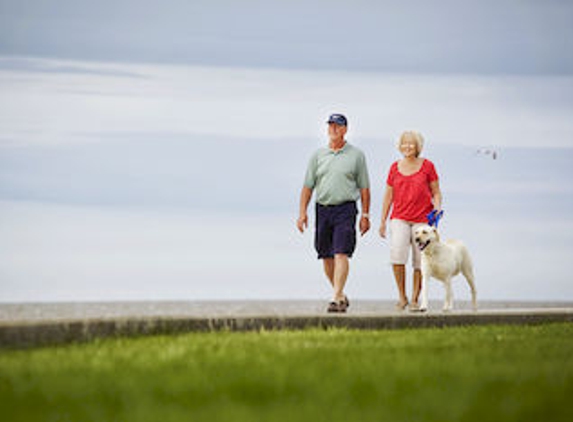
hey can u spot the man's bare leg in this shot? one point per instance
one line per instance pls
(341, 269)
(328, 264)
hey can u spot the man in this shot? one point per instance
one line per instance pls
(339, 175)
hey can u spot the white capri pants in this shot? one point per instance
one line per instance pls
(402, 240)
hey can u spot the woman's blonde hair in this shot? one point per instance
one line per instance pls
(416, 137)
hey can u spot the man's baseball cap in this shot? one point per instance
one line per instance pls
(339, 119)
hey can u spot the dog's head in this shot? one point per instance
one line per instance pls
(426, 235)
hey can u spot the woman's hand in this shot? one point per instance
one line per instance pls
(382, 230)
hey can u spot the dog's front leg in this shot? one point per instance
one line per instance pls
(425, 281)
(449, 301)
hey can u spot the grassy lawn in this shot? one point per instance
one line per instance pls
(456, 374)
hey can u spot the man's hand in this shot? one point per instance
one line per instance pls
(364, 225)
(302, 223)
(305, 195)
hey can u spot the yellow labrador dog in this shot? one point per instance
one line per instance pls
(443, 261)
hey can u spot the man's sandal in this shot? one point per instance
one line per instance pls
(337, 307)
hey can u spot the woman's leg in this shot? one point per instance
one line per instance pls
(417, 286)
(416, 264)
(400, 276)
(400, 234)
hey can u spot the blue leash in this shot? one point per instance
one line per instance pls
(434, 217)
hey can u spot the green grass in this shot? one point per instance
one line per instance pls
(494, 373)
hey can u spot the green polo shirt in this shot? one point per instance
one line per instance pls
(337, 176)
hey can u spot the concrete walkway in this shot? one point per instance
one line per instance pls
(32, 325)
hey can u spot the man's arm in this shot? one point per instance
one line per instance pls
(305, 195)
(365, 217)
(363, 182)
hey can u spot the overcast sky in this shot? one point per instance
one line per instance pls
(485, 36)
(156, 149)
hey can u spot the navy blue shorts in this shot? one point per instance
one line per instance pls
(335, 229)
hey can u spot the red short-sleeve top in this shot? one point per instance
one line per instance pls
(412, 200)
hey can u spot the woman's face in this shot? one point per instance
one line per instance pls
(409, 147)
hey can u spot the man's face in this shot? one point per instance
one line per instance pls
(335, 131)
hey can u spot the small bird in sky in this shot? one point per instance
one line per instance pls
(488, 151)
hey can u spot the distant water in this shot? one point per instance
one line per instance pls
(87, 253)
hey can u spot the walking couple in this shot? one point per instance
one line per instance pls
(338, 177)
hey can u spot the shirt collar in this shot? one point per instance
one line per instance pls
(343, 149)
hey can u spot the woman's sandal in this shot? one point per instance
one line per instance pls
(414, 307)
(400, 306)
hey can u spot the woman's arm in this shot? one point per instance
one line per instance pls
(436, 195)
(386, 203)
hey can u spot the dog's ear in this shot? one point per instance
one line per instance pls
(436, 233)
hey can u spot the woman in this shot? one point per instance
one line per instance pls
(412, 192)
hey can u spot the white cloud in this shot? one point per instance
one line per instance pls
(60, 107)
